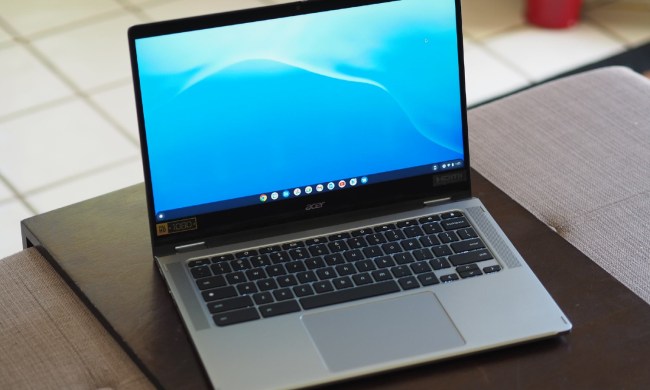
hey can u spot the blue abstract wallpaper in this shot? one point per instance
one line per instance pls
(248, 109)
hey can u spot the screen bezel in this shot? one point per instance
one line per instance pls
(452, 184)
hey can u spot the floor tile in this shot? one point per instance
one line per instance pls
(31, 16)
(91, 55)
(484, 18)
(542, 53)
(11, 213)
(628, 20)
(87, 187)
(58, 143)
(119, 102)
(30, 83)
(179, 8)
(486, 77)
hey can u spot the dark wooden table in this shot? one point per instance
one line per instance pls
(101, 248)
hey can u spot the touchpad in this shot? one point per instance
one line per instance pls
(382, 331)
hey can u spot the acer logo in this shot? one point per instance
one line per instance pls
(314, 206)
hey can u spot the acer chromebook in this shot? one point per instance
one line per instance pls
(308, 189)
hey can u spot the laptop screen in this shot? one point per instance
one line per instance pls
(262, 112)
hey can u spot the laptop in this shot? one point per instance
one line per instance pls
(308, 189)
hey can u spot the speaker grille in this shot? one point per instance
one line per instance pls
(498, 245)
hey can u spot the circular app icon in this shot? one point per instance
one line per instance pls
(308, 190)
(342, 183)
(353, 182)
(364, 180)
(263, 197)
(297, 191)
(286, 193)
(274, 196)
(319, 188)
(330, 186)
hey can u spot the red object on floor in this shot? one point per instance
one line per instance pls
(553, 13)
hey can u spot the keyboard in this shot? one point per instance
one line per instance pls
(274, 280)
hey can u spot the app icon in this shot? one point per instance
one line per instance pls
(285, 193)
(330, 186)
(435, 167)
(161, 216)
(319, 188)
(364, 180)
(297, 191)
(308, 190)
(263, 197)
(342, 183)
(353, 182)
(274, 196)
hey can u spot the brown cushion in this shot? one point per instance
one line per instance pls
(49, 339)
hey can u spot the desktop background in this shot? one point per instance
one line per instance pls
(248, 109)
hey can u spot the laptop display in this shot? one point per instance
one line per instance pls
(299, 106)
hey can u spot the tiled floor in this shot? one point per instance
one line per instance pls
(67, 119)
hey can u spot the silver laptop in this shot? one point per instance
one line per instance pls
(308, 190)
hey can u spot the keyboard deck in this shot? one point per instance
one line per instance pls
(274, 280)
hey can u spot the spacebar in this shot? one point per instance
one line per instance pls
(349, 294)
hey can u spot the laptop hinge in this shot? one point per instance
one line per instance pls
(189, 247)
(436, 201)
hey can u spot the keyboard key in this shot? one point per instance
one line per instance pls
(376, 239)
(470, 257)
(401, 271)
(349, 294)
(230, 304)
(318, 250)
(326, 273)
(240, 265)
(420, 267)
(385, 227)
(466, 234)
(449, 278)
(221, 268)
(411, 244)
(357, 243)
(341, 283)
(260, 261)
(372, 251)
(295, 266)
(430, 240)
(219, 293)
(303, 290)
(337, 246)
(492, 269)
(441, 250)
(365, 265)
(438, 264)
(306, 277)
(246, 288)
(334, 259)
(361, 232)
(299, 254)
(248, 253)
(315, 262)
(432, 228)
(391, 248)
(408, 223)
(316, 240)
(454, 224)
(270, 249)
(422, 254)
(283, 294)
(384, 262)
(267, 284)
(195, 263)
(413, 231)
(276, 309)
(263, 298)
(345, 269)
(339, 236)
(447, 237)
(403, 258)
(466, 267)
(201, 272)
(361, 279)
(394, 235)
(276, 270)
(235, 316)
(353, 255)
(287, 280)
(408, 283)
(450, 215)
(256, 274)
(429, 218)
(225, 257)
(468, 245)
(279, 257)
(470, 274)
(381, 275)
(293, 245)
(236, 278)
(428, 279)
(211, 282)
(323, 286)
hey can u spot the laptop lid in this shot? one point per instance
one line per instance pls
(296, 111)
